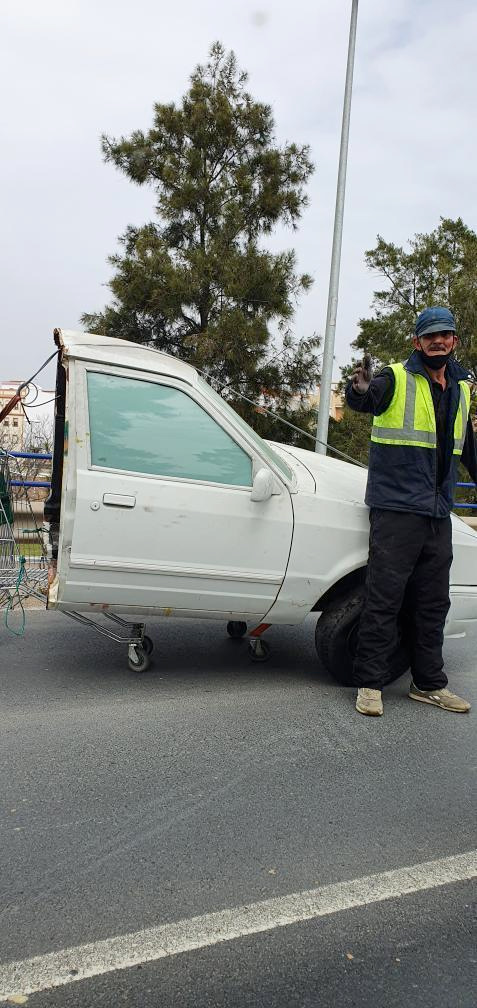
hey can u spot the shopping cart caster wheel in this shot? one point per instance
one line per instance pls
(138, 659)
(258, 650)
(236, 629)
(148, 644)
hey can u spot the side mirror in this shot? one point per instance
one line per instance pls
(263, 485)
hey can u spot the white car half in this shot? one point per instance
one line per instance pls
(165, 502)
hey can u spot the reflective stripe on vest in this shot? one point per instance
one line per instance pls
(410, 417)
(461, 419)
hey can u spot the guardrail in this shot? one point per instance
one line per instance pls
(47, 457)
(30, 483)
(458, 505)
(35, 456)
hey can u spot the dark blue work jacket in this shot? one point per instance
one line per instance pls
(407, 477)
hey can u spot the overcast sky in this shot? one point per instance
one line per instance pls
(73, 69)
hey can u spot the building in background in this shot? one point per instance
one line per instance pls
(27, 427)
(336, 401)
(313, 400)
(12, 428)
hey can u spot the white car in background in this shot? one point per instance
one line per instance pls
(165, 502)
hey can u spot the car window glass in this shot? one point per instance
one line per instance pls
(265, 450)
(141, 426)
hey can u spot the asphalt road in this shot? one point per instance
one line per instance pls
(208, 783)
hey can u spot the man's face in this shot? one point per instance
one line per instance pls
(436, 343)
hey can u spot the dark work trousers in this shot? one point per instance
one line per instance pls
(408, 571)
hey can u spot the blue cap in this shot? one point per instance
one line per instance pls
(434, 319)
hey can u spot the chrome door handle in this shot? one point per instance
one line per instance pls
(119, 500)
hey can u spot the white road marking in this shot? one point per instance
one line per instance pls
(124, 951)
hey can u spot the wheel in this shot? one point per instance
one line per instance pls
(336, 638)
(236, 629)
(147, 644)
(138, 659)
(258, 650)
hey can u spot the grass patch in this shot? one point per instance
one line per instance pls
(30, 549)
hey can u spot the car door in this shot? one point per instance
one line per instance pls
(160, 504)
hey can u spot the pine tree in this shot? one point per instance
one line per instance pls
(197, 282)
(439, 268)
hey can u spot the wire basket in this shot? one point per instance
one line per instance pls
(23, 556)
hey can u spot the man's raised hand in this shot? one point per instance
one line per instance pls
(363, 375)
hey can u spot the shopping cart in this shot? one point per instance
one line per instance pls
(23, 557)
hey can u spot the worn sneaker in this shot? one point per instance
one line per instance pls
(369, 701)
(440, 698)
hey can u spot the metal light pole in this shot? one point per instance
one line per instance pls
(329, 343)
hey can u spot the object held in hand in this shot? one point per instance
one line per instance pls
(363, 375)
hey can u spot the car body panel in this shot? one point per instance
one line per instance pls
(170, 543)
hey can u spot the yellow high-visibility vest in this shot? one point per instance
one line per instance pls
(410, 418)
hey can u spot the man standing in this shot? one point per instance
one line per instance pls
(421, 430)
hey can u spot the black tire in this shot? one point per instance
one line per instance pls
(336, 637)
(147, 644)
(236, 629)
